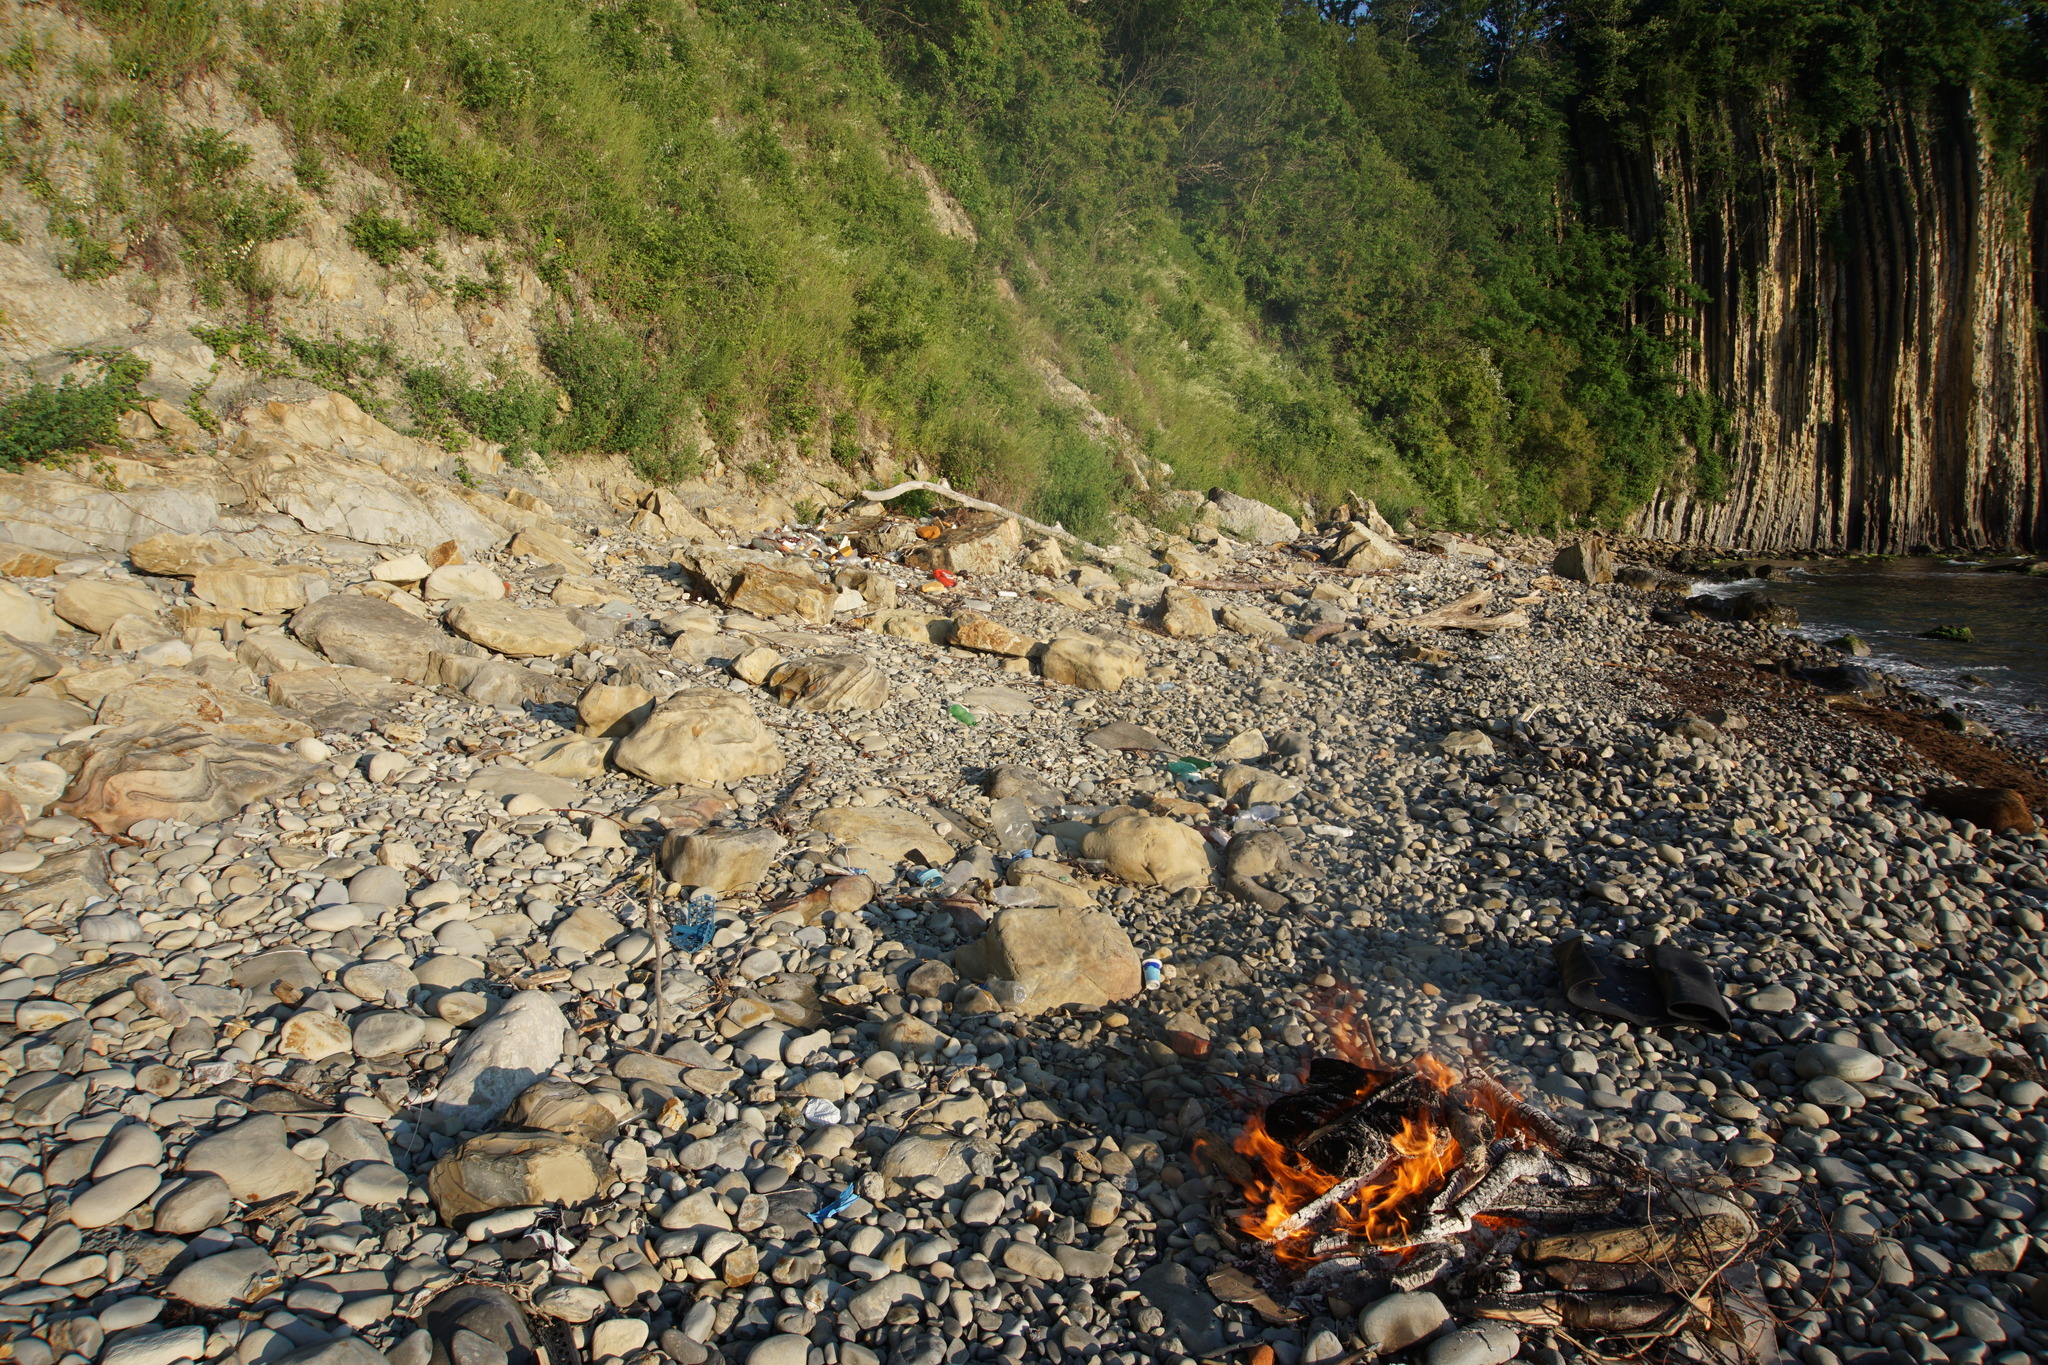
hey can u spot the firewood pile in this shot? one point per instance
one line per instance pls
(1371, 1180)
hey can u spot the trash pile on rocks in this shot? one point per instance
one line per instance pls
(712, 937)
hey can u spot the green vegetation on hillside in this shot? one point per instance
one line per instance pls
(1295, 248)
(45, 423)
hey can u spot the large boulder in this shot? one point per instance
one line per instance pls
(22, 663)
(171, 554)
(770, 590)
(829, 682)
(523, 632)
(972, 630)
(700, 735)
(25, 617)
(1364, 548)
(366, 632)
(1055, 956)
(883, 833)
(544, 545)
(1249, 620)
(170, 772)
(1585, 561)
(1252, 520)
(1185, 616)
(512, 1170)
(1151, 850)
(463, 582)
(1997, 809)
(980, 542)
(251, 585)
(720, 861)
(254, 1158)
(95, 603)
(607, 710)
(179, 698)
(502, 1056)
(1092, 662)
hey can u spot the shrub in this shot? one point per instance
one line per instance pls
(49, 421)
(384, 239)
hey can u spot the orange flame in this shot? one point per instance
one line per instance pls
(1384, 1212)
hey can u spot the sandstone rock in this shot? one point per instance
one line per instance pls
(1252, 520)
(586, 930)
(265, 652)
(1185, 616)
(549, 548)
(227, 1279)
(768, 590)
(311, 1035)
(877, 589)
(25, 617)
(95, 603)
(1467, 744)
(985, 544)
(405, 570)
(172, 698)
(972, 630)
(172, 555)
(35, 783)
(700, 735)
(830, 682)
(664, 513)
(1251, 621)
(1364, 548)
(1091, 662)
(1585, 561)
(610, 709)
(20, 561)
(22, 663)
(756, 664)
(1058, 956)
(1044, 558)
(463, 582)
(502, 1056)
(171, 772)
(249, 585)
(720, 861)
(363, 632)
(253, 1158)
(567, 1108)
(195, 1204)
(509, 1170)
(885, 833)
(569, 756)
(42, 716)
(1151, 850)
(523, 632)
(1398, 1321)
(910, 624)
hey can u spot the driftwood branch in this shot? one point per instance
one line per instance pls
(924, 486)
(1463, 614)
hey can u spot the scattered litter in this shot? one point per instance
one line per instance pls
(1188, 767)
(821, 1113)
(1155, 971)
(1332, 831)
(1258, 817)
(929, 876)
(962, 714)
(841, 1202)
(692, 933)
(946, 577)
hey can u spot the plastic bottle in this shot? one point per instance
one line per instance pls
(962, 714)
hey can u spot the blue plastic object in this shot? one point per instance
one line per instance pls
(692, 933)
(841, 1202)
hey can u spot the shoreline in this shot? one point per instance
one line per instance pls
(1447, 806)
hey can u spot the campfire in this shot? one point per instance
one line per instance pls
(1373, 1179)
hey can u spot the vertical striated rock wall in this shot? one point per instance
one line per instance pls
(1872, 331)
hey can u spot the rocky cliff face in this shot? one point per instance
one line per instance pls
(1871, 332)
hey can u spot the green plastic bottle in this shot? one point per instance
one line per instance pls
(962, 714)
